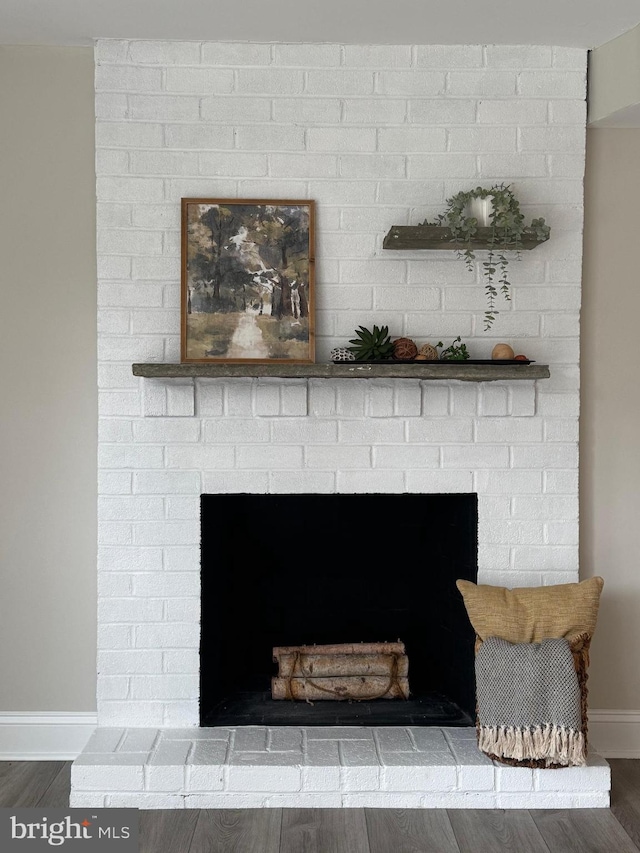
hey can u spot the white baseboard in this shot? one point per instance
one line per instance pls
(615, 734)
(63, 736)
(44, 737)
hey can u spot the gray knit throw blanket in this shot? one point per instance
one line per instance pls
(528, 702)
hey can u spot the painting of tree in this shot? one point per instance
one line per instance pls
(247, 280)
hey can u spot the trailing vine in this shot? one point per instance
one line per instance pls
(507, 229)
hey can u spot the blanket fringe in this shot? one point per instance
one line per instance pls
(555, 745)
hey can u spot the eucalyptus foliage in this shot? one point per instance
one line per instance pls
(506, 230)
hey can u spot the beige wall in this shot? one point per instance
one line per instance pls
(610, 422)
(48, 395)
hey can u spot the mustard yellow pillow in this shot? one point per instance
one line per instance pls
(532, 614)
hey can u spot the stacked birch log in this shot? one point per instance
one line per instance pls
(355, 671)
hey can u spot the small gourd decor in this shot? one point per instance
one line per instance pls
(507, 228)
(502, 351)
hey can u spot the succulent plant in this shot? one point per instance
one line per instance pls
(373, 345)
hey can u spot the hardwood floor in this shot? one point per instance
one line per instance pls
(625, 796)
(28, 784)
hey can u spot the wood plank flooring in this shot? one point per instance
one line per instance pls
(28, 784)
(238, 831)
(500, 831)
(625, 796)
(24, 783)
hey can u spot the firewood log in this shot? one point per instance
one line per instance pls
(340, 688)
(343, 649)
(322, 666)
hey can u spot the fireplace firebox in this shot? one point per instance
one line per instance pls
(305, 569)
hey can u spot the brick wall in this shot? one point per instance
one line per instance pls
(377, 136)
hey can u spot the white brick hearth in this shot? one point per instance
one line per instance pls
(339, 767)
(377, 136)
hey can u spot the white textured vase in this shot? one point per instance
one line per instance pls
(481, 209)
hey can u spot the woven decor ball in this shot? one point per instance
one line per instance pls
(404, 348)
(342, 354)
(427, 352)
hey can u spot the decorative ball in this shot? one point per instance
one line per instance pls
(342, 354)
(427, 352)
(404, 348)
(502, 351)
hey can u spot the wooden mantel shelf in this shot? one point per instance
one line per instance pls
(439, 237)
(349, 370)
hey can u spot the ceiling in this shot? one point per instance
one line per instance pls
(577, 23)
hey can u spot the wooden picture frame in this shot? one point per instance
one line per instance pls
(247, 281)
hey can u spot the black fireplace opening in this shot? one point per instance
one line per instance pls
(314, 569)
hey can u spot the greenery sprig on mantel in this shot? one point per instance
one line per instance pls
(506, 230)
(456, 351)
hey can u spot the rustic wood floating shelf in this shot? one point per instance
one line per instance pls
(349, 370)
(439, 237)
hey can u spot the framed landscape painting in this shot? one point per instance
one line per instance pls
(247, 281)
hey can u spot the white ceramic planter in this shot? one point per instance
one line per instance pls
(481, 209)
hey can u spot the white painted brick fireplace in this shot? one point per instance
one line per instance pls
(377, 136)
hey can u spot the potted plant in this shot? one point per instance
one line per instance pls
(371, 345)
(506, 228)
(456, 351)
